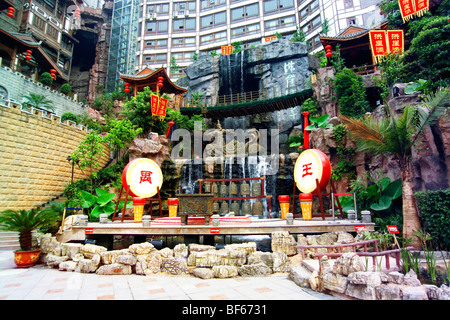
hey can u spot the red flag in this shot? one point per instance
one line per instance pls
(378, 43)
(154, 101)
(407, 9)
(395, 41)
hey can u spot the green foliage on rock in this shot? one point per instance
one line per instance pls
(351, 93)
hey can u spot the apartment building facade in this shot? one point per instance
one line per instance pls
(178, 31)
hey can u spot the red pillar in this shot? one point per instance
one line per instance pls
(305, 132)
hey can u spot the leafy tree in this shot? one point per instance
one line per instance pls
(428, 55)
(70, 116)
(39, 101)
(299, 35)
(174, 66)
(88, 153)
(351, 93)
(396, 135)
(325, 26)
(121, 133)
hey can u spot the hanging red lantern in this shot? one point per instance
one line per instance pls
(160, 82)
(53, 74)
(28, 56)
(329, 54)
(171, 123)
(77, 12)
(11, 12)
(127, 87)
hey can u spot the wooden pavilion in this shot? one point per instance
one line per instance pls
(149, 78)
(354, 48)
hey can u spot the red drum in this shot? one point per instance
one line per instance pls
(312, 164)
(142, 176)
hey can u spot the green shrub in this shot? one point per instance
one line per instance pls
(351, 93)
(65, 88)
(69, 116)
(434, 207)
(46, 79)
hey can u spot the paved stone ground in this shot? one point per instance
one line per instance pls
(43, 283)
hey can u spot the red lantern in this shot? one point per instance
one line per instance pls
(53, 73)
(28, 56)
(11, 12)
(77, 12)
(171, 123)
(127, 87)
(328, 50)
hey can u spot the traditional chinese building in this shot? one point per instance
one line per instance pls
(149, 78)
(354, 48)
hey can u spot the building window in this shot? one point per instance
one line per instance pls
(275, 6)
(157, 27)
(183, 6)
(183, 25)
(309, 9)
(212, 4)
(351, 21)
(213, 38)
(156, 44)
(156, 58)
(52, 32)
(183, 56)
(183, 42)
(38, 23)
(246, 12)
(312, 25)
(213, 20)
(158, 8)
(348, 4)
(245, 30)
(279, 23)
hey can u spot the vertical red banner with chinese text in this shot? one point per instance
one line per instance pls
(154, 102)
(226, 50)
(378, 43)
(421, 7)
(162, 107)
(395, 41)
(406, 9)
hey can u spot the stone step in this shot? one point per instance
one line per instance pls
(9, 240)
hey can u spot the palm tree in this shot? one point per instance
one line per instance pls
(39, 101)
(396, 135)
(25, 221)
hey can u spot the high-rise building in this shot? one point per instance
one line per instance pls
(122, 48)
(173, 33)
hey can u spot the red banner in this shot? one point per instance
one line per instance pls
(421, 6)
(154, 102)
(378, 43)
(407, 9)
(162, 107)
(395, 40)
(226, 50)
(268, 39)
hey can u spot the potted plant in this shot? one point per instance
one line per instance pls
(24, 222)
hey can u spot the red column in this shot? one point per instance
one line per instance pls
(305, 132)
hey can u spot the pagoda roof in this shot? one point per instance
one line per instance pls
(149, 78)
(351, 32)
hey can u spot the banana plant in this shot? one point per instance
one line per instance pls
(319, 123)
(389, 191)
(101, 203)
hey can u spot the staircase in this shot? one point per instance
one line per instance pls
(9, 240)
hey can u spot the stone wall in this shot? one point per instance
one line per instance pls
(19, 86)
(33, 157)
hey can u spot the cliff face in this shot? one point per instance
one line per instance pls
(430, 156)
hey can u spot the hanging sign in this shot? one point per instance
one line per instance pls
(395, 41)
(392, 229)
(312, 164)
(406, 9)
(268, 39)
(162, 107)
(154, 99)
(378, 44)
(142, 177)
(421, 7)
(226, 50)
